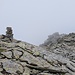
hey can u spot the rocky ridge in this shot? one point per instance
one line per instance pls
(63, 45)
(21, 58)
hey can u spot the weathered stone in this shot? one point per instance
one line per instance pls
(17, 54)
(8, 54)
(1, 74)
(11, 66)
(1, 69)
(2, 49)
(27, 71)
(37, 53)
(30, 59)
(21, 58)
(44, 74)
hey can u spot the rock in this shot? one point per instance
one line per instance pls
(1, 69)
(64, 48)
(36, 53)
(17, 54)
(55, 57)
(29, 59)
(44, 74)
(1, 74)
(27, 71)
(11, 66)
(8, 54)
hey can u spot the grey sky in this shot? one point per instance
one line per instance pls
(34, 20)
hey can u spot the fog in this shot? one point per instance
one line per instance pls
(33, 20)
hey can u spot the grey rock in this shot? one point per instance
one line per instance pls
(57, 57)
(8, 54)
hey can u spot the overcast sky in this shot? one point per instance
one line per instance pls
(33, 20)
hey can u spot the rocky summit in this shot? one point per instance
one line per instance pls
(56, 56)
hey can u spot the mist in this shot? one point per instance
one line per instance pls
(33, 20)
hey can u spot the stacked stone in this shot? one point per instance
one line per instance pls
(9, 33)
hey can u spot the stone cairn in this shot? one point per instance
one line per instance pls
(9, 35)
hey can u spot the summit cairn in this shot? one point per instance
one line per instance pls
(9, 33)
